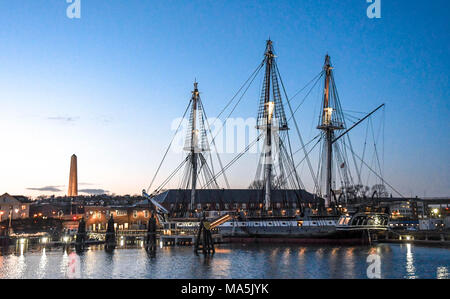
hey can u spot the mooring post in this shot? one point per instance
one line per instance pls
(151, 235)
(81, 236)
(110, 238)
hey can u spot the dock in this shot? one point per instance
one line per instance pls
(424, 238)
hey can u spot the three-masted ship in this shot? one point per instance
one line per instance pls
(278, 209)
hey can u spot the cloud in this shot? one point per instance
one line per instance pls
(93, 191)
(47, 188)
(67, 119)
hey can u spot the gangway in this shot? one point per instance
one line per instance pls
(221, 220)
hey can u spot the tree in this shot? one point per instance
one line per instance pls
(380, 189)
(277, 183)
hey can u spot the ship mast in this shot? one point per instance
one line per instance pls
(268, 106)
(194, 145)
(328, 124)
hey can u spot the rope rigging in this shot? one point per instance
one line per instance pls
(170, 144)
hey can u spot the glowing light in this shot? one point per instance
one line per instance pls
(328, 113)
(271, 108)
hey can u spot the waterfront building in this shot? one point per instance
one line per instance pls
(17, 206)
(125, 217)
(406, 210)
(60, 210)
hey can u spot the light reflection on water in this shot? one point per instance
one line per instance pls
(410, 269)
(230, 261)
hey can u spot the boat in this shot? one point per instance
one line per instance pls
(261, 218)
(331, 224)
(355, 228)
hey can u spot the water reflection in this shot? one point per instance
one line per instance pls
(349, 262)
(410, 269)
(442, 273)
(230, 261)
(64, 262)
(42, 264)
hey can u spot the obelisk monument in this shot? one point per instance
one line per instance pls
(73, 177)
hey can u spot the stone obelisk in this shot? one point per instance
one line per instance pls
(73, 177)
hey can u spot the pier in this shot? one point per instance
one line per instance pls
(426, 238)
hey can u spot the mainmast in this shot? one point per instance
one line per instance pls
(329, 123)
(268, 106)
(194, 144)
(271, 119)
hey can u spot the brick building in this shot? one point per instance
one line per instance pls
(125, 217)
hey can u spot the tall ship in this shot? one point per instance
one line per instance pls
(276, 207)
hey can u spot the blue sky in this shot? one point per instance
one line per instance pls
(108, 86)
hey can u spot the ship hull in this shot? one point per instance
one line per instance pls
(296, 240)
(296, 235)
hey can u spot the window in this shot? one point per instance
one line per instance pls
(121, 212)
(135, 213)
(146, 213)
(24, 207)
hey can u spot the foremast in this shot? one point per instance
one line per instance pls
(271, 119)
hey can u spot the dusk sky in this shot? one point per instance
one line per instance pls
(108, 86)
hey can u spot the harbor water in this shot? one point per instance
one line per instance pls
(230, 261)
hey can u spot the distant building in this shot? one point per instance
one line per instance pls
(125, 217)
(406, 210)
(17, 206)
(284, 202)
(73, 177)
(60, 210)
